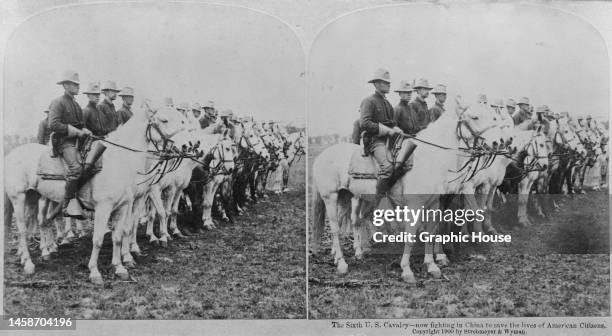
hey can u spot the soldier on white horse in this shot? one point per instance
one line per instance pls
(380, 130)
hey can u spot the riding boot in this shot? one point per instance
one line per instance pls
(90, 162)
(400, 168)
(70, 205)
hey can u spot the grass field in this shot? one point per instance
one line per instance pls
(253, 268)
(558, 267)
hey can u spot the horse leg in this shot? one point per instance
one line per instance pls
(208, 195)
(432, 227)
(357, 231)
(68, 235)
(19, 205)
(523, 196)
(174, 215)
(155, 195)
(407, 274)
(120, 233)
(331, 206)
(164, 208)
(129, 237)
(101, 217)
(137, 209)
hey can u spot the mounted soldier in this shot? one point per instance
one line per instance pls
(101, 118)
(125, 112)
(67, 124)
(402, 113)
(418, 107)
(436, 111)
(524, 112)
(44, 133)
(380, 132)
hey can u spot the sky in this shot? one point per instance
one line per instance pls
(243, 60)
(504, 51)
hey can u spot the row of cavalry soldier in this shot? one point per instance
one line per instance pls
(136, 165)
(419, 157)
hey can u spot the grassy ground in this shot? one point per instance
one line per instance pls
(251, 269)
(557, 267)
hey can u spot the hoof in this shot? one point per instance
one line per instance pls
(178, 234)
(129, 264)
(96, 279)
(434, 271)
(359, 256)
(46, 257)
(342, 267)
(29, 267)
(164, 244)
(122, 273)
(153, 241)
(409, 278)
(442, 261)
(524, 222)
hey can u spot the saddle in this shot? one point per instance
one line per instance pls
(366, 167)
(51, 167)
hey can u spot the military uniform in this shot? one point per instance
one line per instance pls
(375, 110)
(65, 115)
(124, 114)
(403, 116)
(420, 115)
(98, 122)
(436, 111)
(519, 117)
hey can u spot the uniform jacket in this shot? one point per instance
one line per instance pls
(519, 117)
(64, 111)
(125, 113)
(420, 114)
(100, 119)
(436, 111)
(375, 109)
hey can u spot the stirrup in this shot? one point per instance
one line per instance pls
(74, 209)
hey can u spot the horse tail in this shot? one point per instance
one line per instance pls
(318, 218)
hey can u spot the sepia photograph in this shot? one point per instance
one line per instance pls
(461, 170)
(154, 164)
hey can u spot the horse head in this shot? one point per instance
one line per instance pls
(163, 123)
(223, 154)
(565, 137)
(251, 142)
(476, 124)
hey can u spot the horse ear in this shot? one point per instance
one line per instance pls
(540, 129)
(225, 132)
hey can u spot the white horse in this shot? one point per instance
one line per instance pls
(109, 193)
(433, 173)
(168, 190)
